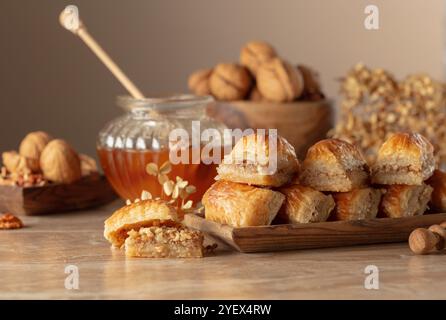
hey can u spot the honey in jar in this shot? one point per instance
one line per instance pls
(125, 170)
(127, 144)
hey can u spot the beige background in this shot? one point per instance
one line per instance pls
(49, 80)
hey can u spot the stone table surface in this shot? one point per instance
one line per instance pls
(33, 262)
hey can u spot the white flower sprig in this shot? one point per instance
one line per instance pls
(178, 191)
(161, 173)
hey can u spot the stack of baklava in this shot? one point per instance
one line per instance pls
(404, 162)
(338, 167)
(243, 195)
(333, 183)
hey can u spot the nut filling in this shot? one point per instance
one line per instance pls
(164, 242)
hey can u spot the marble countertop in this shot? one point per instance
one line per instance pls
(42, 261)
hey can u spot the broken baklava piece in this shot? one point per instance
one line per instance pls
(151, 228)
(164, 242)
(134, 216)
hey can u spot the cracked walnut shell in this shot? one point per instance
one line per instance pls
(88, 165)
(255, 53)
(230, 81)
(199, 82)
(15, 163)
(255, 95)
(32, 146)
(60, 163)
(279, 81)
(312, 88)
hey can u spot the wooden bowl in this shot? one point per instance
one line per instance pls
(88, 192)
(302, 123)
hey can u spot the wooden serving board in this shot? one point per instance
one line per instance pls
(90, 191)
(314, 235)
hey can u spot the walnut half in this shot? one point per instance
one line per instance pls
(9, 221)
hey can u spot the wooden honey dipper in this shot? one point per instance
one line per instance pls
(69, 19)
(423, 241)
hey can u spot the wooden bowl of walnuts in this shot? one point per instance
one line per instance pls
(264, 91)
(47, 175)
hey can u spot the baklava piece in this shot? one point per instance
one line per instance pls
(358, 204)
(438, 183)
(241, 205)
(164, 242)
(334, 165)
(406, 201)
(405, 158)
(150, 228)
(254, 161)
(145, 213)
(304, 205)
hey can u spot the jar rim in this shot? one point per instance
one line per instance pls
(163, 103)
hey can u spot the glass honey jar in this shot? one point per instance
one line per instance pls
(127, 144)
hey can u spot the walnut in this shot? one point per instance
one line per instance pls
(278, 81)
(255, 53)
(312, 88)
(88, 165)
(9, 221)
(230, 81)
(16, 163)
(60, 163)
(255, 95)
(199, 82)
(31, 147)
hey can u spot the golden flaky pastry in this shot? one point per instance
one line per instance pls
(438, 183)
(334, 165)
(405, 201)
(145, 213)
(304, 205)
(241, 205)
(357, 204)
(405, 158)
(259, 160)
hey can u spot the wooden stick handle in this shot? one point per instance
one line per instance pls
(69, 18)
(109, 63)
